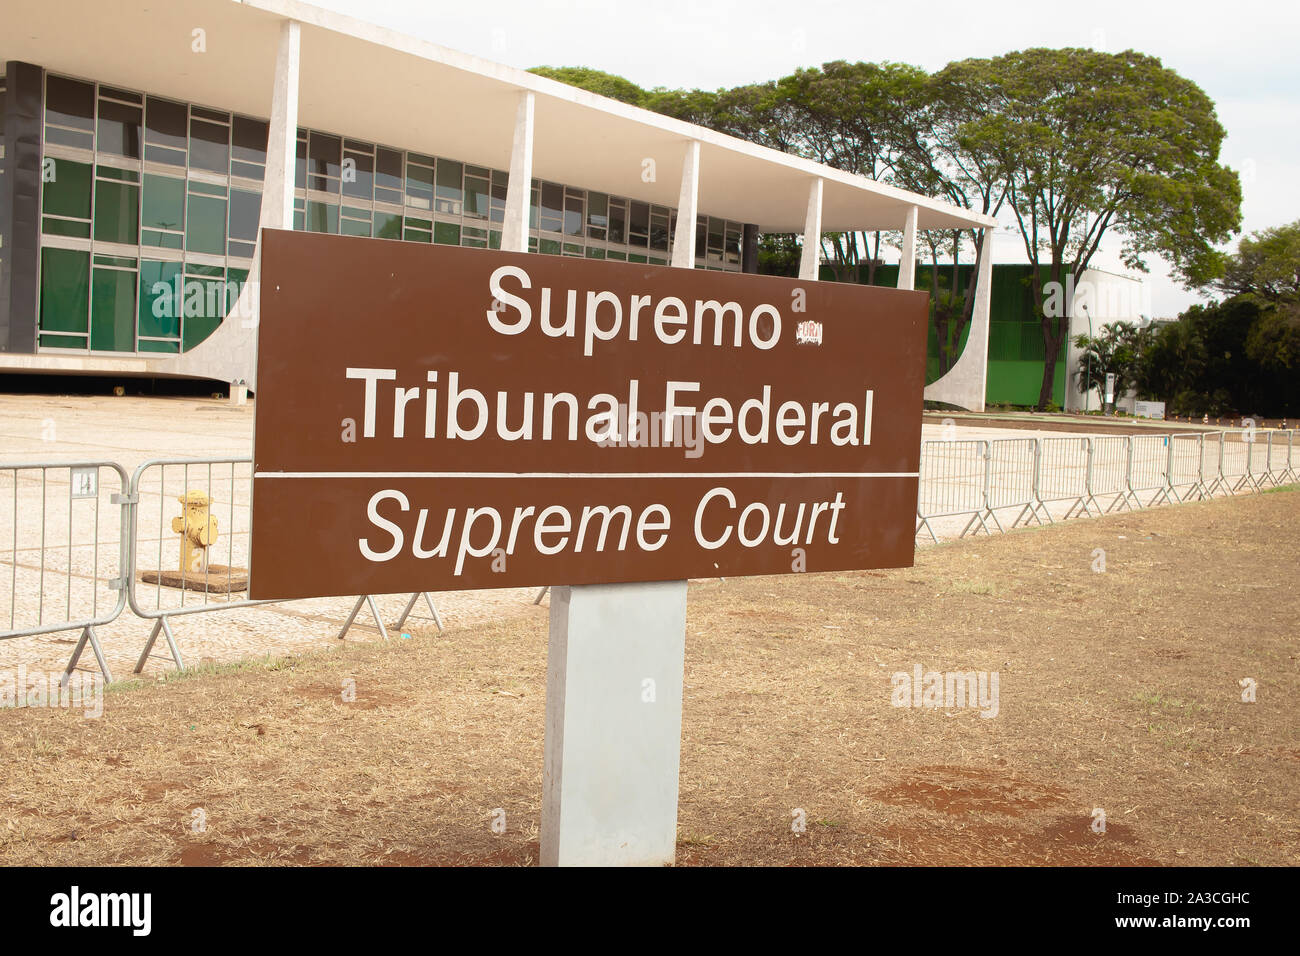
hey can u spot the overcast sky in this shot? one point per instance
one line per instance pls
(1243, 54)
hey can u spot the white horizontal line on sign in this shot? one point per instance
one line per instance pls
(587, 474)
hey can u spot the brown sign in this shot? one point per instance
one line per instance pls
(437, 418)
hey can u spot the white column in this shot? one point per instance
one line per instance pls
(282, 138)
(688, 208)
(810, 257)
(977, 341)
(514, 230)
(907, 262)
(229, 354)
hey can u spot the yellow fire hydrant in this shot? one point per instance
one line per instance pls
(198, 531)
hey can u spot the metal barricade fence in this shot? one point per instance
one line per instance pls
(1212, 463)
(1108, 472)
(1234, 463)
(1012, 465)
(65, 532)
(1148, 469)
(1259, 444)
(953, 482)
(1284, 444)
(1184, 467)
(1063, 475)
(158, 489)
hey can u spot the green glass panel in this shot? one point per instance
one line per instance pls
(449, 183)
(212, 272)
(494, 239)
(65, 285)
(388, 225)
(618, 256)
(163, 240)
(68, 192)
(419, 186)
(205, 229)
(549, 247)
(112, 172)
(112, 311)
(117, 212)
(164, 203)
(417, 235)
(351, 227)
(245, 213)
(159, 346)
(63, 342)
(206, 304)
(207, 189)
(120, 261)
(299, 220)
(446, 233)
(595, 253)
(66, 227)
(159, 310)
(322, 217)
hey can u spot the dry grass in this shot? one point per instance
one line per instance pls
(1117, 691)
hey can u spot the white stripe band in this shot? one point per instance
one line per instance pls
(586, 474)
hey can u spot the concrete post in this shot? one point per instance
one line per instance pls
(810, 257)
(907, 261)
(687, 208)
(613, 724)
(514, 230)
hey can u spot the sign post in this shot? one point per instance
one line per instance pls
(435, 418)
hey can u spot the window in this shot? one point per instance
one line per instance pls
(112, 305)
(597, 216)
(117, 206)
(551, 208)
(160, 306)
(164, 131)
(575, 203)
(419, 181)
(69, 112)
(617, 220)
(388, 176)
(248, 148)
(120, 126)
(205, 219)
(65, 295)
(638, 230)
(245, 214)
(358, 171)
(324, 162)
(162, 221)
(450, 195)
(65, 199)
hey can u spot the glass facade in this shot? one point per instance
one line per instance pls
(150, 210)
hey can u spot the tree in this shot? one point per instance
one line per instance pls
(595, 81)
(1097, 143)
(1266, 270)
(1117, 351)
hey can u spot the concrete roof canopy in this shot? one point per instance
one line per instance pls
(371, 83)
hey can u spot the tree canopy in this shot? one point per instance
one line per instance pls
(1076, 144)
